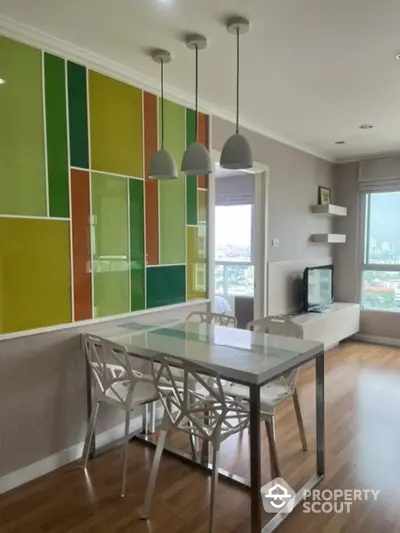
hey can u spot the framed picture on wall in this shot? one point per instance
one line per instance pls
(324, 195)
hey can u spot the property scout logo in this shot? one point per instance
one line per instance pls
(279, 497)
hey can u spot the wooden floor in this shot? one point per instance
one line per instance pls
(362, 451)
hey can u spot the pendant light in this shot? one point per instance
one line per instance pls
(236, 153)
(162, 165)
(196, 159)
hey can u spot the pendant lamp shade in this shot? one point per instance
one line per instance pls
(196, 159)
(162, 165)
(236, 153)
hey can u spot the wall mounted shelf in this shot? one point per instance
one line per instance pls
(329, 209)
(330, 238)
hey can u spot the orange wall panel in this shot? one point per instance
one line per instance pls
(80, 211)
(150, 124)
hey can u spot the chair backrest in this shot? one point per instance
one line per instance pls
(216, 319)
(279, 326)
(196, 403)
(110, 366)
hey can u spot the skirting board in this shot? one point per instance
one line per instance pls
(372, 339)
(59, 459)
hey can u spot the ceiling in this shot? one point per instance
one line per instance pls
(312, 72)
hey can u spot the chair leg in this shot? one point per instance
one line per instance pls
(153, 474)
(89, 435)
(205, 446)
(300, 421)
(273, 453)
(125, 452)
(193, 446)
(214, 483)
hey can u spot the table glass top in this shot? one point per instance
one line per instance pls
(235, 353)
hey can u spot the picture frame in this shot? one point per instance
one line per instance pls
(324, 195)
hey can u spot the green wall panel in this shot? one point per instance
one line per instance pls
(78, 116)
(110, 245)
(191, 181)
(136, 224)
(166, 285)
(172, 194)
(22, 154)
(56, 135)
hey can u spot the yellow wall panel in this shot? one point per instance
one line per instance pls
(115, 126)
(196, 273)
(35, 275)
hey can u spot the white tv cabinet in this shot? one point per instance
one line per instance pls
(338, 322)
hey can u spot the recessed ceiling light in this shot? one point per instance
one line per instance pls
(2, 82)
(340, 142)
(398, 56)
(366, 126)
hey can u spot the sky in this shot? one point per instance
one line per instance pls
(233, 225)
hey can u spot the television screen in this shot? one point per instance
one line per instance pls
(318, 287)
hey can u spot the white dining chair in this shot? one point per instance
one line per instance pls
(115, 383)
(275, 392)
(215, 319)
(211, 415)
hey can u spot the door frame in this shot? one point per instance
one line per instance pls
(260, 239)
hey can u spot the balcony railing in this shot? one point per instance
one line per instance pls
(234, 279)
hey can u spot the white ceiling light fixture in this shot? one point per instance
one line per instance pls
(2, 82)
(236, 153)
(196, 159)
(162, 165)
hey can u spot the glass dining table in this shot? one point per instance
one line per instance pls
(241, 356)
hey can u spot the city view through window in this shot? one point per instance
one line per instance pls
(234, 271)
(381, 272)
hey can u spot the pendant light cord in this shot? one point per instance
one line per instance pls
(162, 105)
(197, 93)
(237, 79)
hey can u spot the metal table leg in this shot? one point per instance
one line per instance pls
(255, 459)
(320, 412)
(152, 421)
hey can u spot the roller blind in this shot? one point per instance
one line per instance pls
(379, 175)
(234, 190)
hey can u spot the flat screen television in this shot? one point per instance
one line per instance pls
(317, 288)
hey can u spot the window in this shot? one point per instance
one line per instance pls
(381, 269)
(233, 225)
(234, 270)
